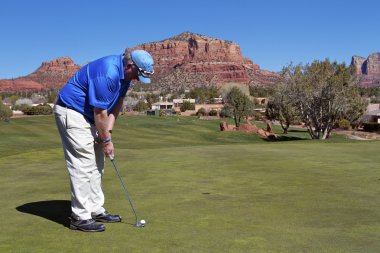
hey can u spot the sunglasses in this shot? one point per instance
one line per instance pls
(144, 73)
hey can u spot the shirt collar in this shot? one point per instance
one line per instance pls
(121, 69)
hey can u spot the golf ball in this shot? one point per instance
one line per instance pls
(142, 222)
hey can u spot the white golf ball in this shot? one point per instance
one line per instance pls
(142, 222)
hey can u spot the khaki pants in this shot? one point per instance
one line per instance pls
(84, 160)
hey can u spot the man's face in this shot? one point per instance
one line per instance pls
(131, 72)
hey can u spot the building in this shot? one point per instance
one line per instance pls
(162, 106)
(179, 101)
(372, 114)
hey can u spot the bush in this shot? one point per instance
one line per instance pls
(344, 124)
(43, 109)
(21, 107)
(225, 112)
(4, 111)
(258, 116)
(163, 113)
(213, 113)
(187, 106)
(371, 127)
(201, 112)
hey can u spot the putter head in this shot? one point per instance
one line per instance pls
(139, 225)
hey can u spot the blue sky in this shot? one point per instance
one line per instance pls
(272, 33)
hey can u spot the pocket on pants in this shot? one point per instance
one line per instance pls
(79, 132)
(76, 120)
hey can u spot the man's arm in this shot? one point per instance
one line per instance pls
(115, 112)
(102, 125)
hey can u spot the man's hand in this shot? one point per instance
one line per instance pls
(108, 148)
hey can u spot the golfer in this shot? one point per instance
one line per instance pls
(85, 113)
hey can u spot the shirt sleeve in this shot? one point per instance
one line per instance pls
(102, 91)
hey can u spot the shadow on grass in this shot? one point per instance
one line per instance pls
(297, 131)
(58, 211)
(285, 138)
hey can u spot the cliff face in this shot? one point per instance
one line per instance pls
(204, 61)
(367, 70)
(50, 75)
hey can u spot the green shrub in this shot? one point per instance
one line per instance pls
(344, 124)
(187, 106)
(213, 113)
(43, 109)
(201, 112)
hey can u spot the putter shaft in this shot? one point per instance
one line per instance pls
(125, 190)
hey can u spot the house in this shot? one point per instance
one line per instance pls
(372, 114)
(162, 106)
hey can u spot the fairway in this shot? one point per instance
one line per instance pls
(199, 190)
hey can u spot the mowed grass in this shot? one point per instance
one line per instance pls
(199, 189)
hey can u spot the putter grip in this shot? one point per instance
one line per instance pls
(111, 157)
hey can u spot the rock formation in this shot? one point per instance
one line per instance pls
(50, 75)
(367, 70)
(249, 128)
(202, 61)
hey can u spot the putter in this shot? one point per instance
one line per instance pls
(138, 223)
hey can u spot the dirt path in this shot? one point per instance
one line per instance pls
(358, 135)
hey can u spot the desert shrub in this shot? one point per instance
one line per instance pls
(23, 101)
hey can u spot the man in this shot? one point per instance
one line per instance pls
(85, 112)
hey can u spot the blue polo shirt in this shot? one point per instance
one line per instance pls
(99, 84)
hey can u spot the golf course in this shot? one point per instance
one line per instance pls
(197, 188)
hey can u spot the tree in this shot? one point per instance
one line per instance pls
(141, 106)
(260, 91)
(13, 99)
(151, 98)
(4, 111)
(356, 108)
(52, 96)
(323, 92)
(280, 107)
(239, 104)
(203, 94)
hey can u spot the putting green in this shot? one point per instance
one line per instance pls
(199, 190)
